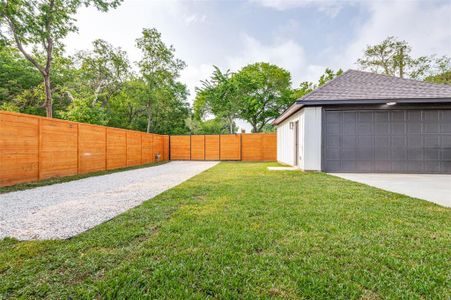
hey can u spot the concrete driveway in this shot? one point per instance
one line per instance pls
(430, 187)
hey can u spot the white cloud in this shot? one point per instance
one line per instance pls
(287, 54)
(192, 75)
(330, 8)
(195, 19)
(426, 26)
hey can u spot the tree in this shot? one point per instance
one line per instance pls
(443, 78)
(265, 92)
(392, 57)
(442, 71)
(212, 126)
(43, 24)
(16, 74)
(103, 71)
(307, 87)
(159, 67)
(218, 96)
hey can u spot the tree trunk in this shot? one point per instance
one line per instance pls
(149, 118)
(230, 125)
(48, 96)
(401, 63)
(254, 128)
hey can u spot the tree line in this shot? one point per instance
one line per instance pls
(102, 86)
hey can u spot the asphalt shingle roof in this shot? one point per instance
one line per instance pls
(359, 85)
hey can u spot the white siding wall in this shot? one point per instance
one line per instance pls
(285, 140)
(312, 138)
(309, 139)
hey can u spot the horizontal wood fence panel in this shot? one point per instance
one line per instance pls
(212, 147)
(116, 148)
(165, 147)
(58, 151)
(180, 147)
(252, 147)
(19, 142)
(269, 145)
(230, 147)
(259, 147)
(91, 148)
(147, 148)
(34, 148)
(133, 148)
(158, 147)
(198, 147)
(246, 147)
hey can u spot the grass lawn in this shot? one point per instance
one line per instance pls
(54, 180)
(240, 231)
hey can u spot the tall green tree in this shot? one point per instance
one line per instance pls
(265, 92)
(159, 67)
(43, 24)
(390, 57)
(393, 57)
(218, 96)
(102, 71)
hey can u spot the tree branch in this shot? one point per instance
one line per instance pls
(21, 48)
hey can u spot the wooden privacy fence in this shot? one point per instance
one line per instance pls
(245, 147)
(34, 148)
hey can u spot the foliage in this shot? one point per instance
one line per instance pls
(43, 24)
(264, 91)
(443, 78)
(392, 57)
(241, 231)
(212, 126)
(103, 70)
(160, 69)
(307, 87)
(218, 96)
(82, 110)
(16, 74)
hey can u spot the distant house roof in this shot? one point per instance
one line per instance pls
(358, 87)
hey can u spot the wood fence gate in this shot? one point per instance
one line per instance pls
(244, 147)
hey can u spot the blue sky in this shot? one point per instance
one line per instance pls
(303, 36)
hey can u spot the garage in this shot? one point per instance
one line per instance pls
(362, 122)
(394, 141)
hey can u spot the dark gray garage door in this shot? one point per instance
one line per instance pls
(395, 141)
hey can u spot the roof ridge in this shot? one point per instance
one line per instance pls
(399, 78)
(324, 85)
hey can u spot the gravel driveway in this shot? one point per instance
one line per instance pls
(63, 210)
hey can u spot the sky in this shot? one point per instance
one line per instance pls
(302, 36)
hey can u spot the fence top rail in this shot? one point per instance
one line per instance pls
(217, 134)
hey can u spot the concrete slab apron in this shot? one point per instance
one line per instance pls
(430, 187)
(63, 210)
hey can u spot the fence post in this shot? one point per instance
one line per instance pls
(241, 146)
(39, 149)
(78, 149)
(106, 148)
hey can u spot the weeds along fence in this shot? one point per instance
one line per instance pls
(34, 148)
(244, 147)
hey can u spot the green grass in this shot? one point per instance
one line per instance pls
(240, 231)
(54, 180)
